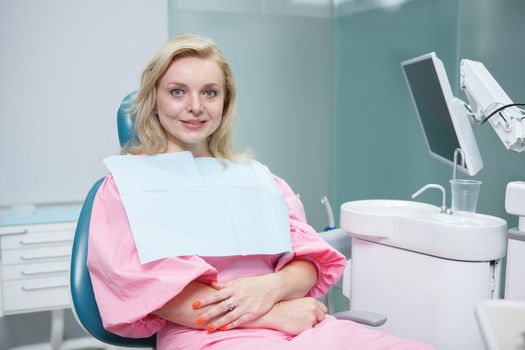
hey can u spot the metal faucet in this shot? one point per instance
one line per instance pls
(444, 209)
(455, 165)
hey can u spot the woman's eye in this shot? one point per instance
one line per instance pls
(177, 92)
(210, 93)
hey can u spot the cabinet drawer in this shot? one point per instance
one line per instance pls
(44, 293)
(27, 271)
(40, 239)
(6, 231)
(47, 254)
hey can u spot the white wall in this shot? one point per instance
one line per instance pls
(65, 65)
(281, 55)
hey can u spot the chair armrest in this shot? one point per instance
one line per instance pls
(365, 317)
(339, 239)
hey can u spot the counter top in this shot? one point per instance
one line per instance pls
(39, 214)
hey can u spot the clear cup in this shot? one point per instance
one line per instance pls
(465, 194)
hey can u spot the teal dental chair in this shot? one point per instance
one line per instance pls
(83, 299)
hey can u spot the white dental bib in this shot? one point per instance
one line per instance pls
(178, 205)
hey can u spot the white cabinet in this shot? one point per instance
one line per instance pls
(34, 273)
(424, 297)
(34, 267)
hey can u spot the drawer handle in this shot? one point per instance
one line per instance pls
(24, 273)
(25, 242)
(17, 232)
(29, 289)
(26, 258)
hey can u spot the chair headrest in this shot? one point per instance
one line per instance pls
(126, 121)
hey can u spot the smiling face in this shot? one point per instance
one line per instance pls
(189, 105)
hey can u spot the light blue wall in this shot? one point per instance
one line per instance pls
(378, 147)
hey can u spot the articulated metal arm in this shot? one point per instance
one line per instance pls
(487, 99)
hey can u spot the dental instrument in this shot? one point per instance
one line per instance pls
(329, 213)
(336, 237)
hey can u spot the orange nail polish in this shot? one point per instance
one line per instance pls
(223, 328)
(196, 304)
(210, 328)
(200, 320)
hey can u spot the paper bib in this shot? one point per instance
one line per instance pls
(178, 205)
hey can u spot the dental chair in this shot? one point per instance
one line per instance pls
(83, 300)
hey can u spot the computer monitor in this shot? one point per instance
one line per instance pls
(443, 117)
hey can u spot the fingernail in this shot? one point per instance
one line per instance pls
(223, 328)
(210, 328)
(196, 304)
(200, 320)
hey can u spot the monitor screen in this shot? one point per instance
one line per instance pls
(443, 117)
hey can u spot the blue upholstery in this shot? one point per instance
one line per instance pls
(83, 298)
(126, 121)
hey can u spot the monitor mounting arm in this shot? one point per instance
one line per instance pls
(485, 97)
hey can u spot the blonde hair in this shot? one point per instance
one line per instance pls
(150, 136)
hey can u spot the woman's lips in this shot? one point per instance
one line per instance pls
(193, 124)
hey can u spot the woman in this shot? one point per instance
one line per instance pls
(258, 294)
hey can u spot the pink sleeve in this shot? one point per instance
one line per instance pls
(126, 291)
(308, 245)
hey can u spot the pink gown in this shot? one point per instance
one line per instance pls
(127, 292)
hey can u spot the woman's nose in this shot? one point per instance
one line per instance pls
(194, 105)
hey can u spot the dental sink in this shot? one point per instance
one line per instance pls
(418, 267)
(420, 227)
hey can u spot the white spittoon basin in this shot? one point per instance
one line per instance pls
(420, 227)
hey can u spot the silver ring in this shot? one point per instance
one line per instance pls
(229, 304)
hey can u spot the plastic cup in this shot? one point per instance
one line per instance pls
(465, 194)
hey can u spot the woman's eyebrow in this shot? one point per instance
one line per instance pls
(175, 83)
(212, 85)
(178, 84)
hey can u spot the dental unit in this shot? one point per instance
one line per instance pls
(428, 268)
